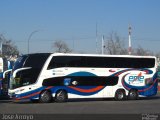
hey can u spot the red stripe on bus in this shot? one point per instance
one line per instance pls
(33, 94)
(24, 97)
(88, 90)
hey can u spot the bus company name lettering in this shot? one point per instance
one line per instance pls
(136, 78)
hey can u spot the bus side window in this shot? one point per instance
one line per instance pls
(55, 62)
(52, 64)
(64, 61)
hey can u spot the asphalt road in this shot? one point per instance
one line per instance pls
(89, 106)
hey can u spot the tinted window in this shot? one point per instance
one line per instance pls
(101, 62)
(81, 81)
(19, 62)
(95, 62)
(36, 60)
(26, 77)
(67, 61)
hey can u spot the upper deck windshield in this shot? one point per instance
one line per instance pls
(20, 62)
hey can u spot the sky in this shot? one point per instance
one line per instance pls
(74, 21)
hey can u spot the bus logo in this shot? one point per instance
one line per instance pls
(138, 77)
(67, 81)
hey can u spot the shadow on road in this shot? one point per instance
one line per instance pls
(150, 98)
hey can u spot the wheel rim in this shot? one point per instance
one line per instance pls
(120, 95)
(45, 97)
(60, 95)
(132, 94)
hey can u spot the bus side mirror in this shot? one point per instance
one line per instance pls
(6, 72)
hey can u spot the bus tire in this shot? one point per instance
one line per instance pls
(45, 97)
(120, 95)
(133, 94)
(61, 96)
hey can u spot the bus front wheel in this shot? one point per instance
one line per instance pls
(61, 96)
(120, 95)
(45, 97)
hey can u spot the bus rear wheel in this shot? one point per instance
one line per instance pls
(45, 97)
(133, 94)
(120, 95)
(61, 96)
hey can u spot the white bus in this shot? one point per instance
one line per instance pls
(4, 66)
(59, 76)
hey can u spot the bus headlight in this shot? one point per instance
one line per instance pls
(11, 94)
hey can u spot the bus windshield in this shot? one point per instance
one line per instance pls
(14, 83)
(20, 81)
(29, 67)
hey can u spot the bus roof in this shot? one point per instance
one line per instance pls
(100, 55)
(93, 55)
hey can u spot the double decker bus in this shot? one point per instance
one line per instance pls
(60, 76)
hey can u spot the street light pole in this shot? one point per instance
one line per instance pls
(30, 38)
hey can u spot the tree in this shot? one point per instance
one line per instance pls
(157, 54)
(61, 47)
(7, 47)
(141, 51)
(115, 46)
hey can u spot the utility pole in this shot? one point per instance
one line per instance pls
(96, 38)
(0, 45)
(103, 44)
(129, 40)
